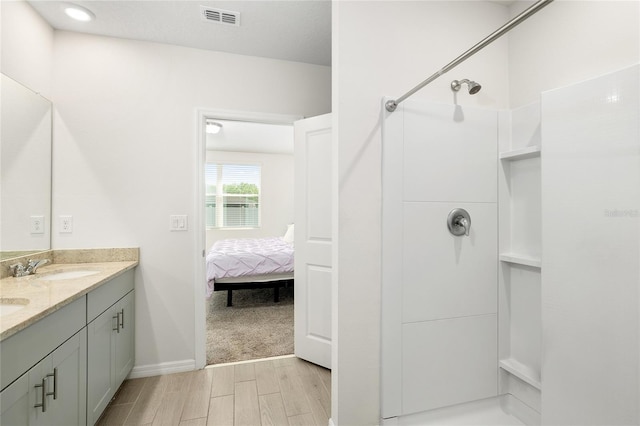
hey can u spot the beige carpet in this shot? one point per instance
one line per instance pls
(254, 327)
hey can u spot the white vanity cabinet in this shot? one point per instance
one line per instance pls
(51, 391)
(110, 329)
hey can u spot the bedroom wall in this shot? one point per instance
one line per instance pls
(125, 159)
(277, 175)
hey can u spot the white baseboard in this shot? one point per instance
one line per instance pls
(331, 422)
(162, 368)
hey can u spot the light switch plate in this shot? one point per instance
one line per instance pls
(178, 222)
(36, 225)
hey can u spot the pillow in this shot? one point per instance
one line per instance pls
(288, 236)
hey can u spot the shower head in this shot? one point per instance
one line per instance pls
(473, 86)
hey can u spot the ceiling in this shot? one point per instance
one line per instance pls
(291, 30)
(240, 136)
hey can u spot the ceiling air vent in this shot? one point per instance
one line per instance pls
(226, 17)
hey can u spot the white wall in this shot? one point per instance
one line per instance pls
(590, 271)
(125, 159)
(27, 46)
(276, 194)
(384, 49)
(570, 41)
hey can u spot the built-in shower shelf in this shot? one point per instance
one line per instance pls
(521, 154)
(521, 371)
(519, 259)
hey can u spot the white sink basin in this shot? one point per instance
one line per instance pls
(9, 305)
(68, 275)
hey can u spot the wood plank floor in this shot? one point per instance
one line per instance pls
(274, 392)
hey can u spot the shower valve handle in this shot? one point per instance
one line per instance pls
(462, 221)
(459, 222)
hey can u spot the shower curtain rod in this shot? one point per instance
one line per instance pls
(393, 104)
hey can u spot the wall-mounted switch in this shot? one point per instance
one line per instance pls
(36, 225)
(178, 222)
(66, 224)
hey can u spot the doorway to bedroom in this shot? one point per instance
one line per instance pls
(248, 220)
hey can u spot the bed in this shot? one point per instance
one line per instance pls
(248, 263)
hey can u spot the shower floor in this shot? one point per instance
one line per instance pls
(488, 412)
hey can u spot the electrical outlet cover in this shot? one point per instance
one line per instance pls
(36, 225)
(66, 224)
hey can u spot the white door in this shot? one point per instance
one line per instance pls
(313, 239)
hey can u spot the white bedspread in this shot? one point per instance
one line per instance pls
(248, 256)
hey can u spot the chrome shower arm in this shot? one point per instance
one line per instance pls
(393, 104)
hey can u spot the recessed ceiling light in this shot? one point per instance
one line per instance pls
(213, 127)
(79, 13)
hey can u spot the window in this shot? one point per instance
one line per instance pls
(232, 197)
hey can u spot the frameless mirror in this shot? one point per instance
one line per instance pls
(25, 170)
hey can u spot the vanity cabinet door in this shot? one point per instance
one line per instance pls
(110, 354)
(100, 367)
(67, 388)
(125, 338)
(15, 404)
(52, 392)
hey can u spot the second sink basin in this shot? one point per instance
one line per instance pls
(9, 305)
(68, 275)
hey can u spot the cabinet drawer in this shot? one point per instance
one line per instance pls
(100, 299)
(21, 351)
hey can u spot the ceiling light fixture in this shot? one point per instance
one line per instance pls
(213, 127)
(79, 13)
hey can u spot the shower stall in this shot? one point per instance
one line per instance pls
(511, 253)
(535, 304)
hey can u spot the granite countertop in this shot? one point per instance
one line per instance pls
(46, 296)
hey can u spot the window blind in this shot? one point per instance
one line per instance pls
(233, 195)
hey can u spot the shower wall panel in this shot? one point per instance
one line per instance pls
(448, 151)
(591, 274)
(447, 276)
(439, 290)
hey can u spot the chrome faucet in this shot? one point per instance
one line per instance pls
(20, 270)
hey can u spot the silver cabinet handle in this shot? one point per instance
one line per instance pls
(44, 395)
(117, 318)
(122, 318)
(55, 383)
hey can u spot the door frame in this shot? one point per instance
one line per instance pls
(199, 282)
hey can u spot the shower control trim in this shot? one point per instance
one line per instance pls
(459, 222)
